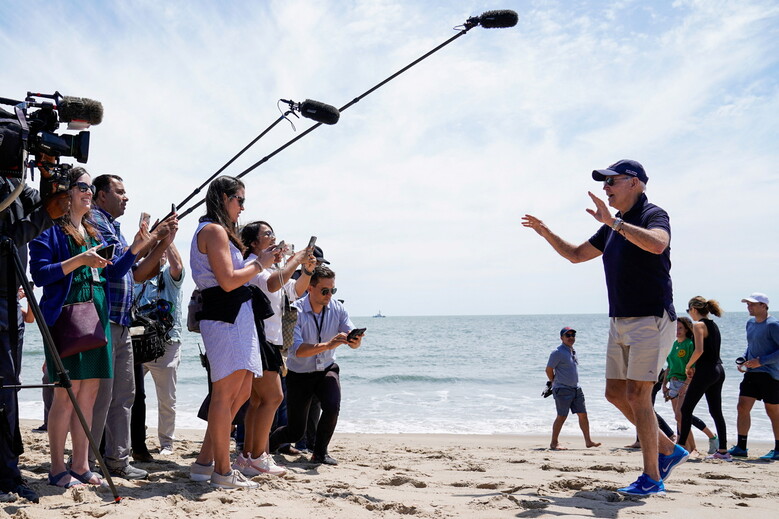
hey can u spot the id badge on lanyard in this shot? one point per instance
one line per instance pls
(318, 358)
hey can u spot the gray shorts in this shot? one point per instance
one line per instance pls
(569, 399)
(638, 347)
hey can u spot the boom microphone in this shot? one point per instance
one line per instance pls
(495, 19)
(319, 112)
(80, 109)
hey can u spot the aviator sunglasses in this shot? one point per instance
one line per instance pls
(326, 291)
(610, 181)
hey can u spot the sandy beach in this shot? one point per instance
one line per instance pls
(427, 476)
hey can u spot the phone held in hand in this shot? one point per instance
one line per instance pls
(145, 217)
(311, 242)
(355, 333)
(106, 252)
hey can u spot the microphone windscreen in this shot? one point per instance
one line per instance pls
(80, 109)
(320, 112)
(499, 19)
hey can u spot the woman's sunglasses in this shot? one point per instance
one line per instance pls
(84, 187)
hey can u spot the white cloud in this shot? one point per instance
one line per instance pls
(416, 193)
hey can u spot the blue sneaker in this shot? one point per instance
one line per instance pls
(644, 486)
(771, 456)
(671, 461)
(738, 452)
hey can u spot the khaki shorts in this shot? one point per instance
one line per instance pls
(638, 347)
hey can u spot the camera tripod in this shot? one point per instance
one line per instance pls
(8, 249)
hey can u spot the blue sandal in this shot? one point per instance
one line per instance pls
(54, 480)
(86, 478)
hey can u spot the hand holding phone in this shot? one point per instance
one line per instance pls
(106, 252)
(311, 242)
(355, 333)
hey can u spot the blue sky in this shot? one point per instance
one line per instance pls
(416, 194)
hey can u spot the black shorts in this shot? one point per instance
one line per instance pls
(271, 357)
(760, 386)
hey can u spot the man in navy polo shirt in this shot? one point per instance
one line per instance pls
(635, 245)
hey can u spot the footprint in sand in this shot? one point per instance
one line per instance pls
(396, 481)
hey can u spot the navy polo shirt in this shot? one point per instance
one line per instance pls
(638, 282)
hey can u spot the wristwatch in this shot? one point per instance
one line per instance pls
(617, 225)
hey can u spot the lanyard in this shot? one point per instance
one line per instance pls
(320, 324)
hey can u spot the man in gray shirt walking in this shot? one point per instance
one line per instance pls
(563, 374)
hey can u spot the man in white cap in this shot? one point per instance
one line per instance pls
(761, 373)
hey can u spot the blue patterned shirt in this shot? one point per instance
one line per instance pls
(121, 288)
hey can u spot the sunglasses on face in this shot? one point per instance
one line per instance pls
(266, 234)
(240, 199)
(326, 291)
(570, 334)
(610, 181)
(83, 187)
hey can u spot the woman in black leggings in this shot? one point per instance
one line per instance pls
(705, 373)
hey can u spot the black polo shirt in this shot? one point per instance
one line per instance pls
(638, 282)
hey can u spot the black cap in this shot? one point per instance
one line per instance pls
(319, 255)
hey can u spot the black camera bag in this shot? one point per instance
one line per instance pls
(13, 141)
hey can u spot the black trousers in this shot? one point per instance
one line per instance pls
(301, 388)
(707, 381)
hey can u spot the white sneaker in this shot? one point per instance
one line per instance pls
(166, 451)
(198, 472)
(233, 480)
(266, 465)
(243, 465)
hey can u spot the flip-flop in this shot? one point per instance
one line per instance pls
(87, 476)
(54, 480)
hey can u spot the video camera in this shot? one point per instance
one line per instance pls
(25, 131)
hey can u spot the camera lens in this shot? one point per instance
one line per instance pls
(740, 360)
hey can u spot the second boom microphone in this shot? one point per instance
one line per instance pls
(319, 112)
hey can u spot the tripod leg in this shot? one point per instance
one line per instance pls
(64, 381)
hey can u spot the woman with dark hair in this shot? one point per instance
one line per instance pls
(705, 370)
(675, 381)
(227, 325)
(260, 242)
(64, 261)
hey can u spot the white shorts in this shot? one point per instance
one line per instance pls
(638, 347)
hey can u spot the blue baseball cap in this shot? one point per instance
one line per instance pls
(566, 330)
(623, 167)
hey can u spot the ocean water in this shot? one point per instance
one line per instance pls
(452, 374)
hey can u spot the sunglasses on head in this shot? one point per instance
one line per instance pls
(240, 199)
(326, 291)
(610, 181)
(83, 187)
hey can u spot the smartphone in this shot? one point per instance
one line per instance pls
(311, 242)
(280, 246)
(106, 252)
(145, 217)
(357, 332)
(173, 208)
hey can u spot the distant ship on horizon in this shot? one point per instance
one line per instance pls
(379, 314)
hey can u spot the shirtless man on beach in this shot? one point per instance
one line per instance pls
(635, 245)
(563, 374)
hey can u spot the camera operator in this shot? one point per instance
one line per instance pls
(22, 221)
